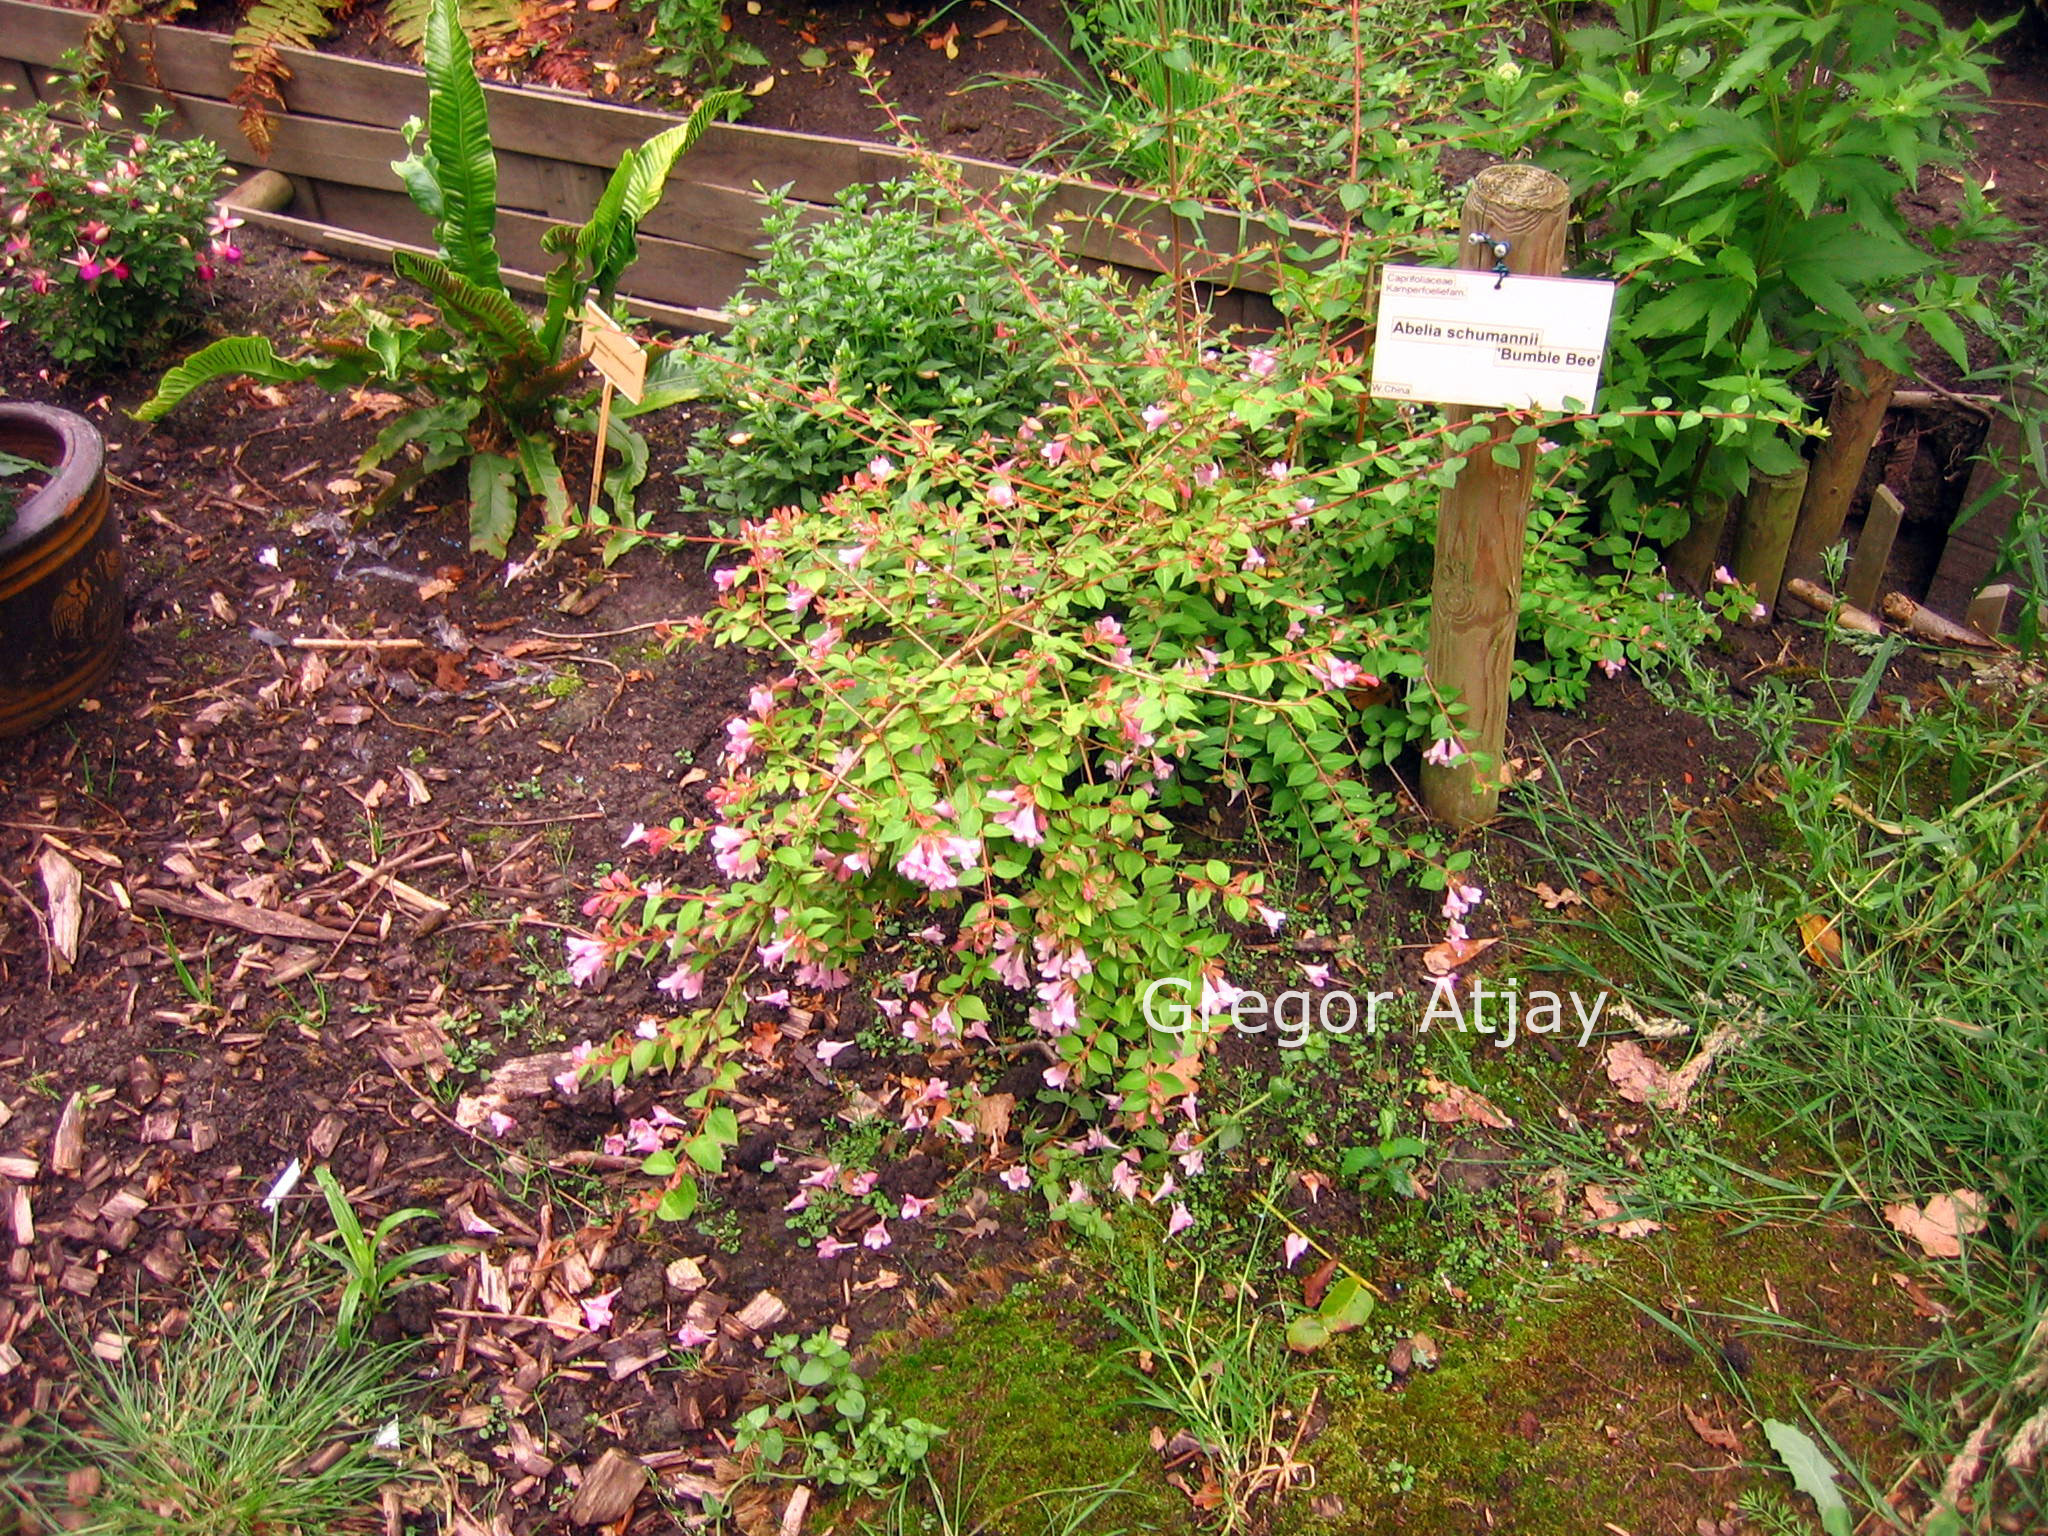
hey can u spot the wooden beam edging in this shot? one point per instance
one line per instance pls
(1115, 224)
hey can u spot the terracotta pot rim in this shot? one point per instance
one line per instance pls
(73, 449)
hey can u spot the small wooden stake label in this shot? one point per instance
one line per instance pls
(1471, 338)
(614, 353)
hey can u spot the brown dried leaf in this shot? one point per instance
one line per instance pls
(1634, 1075)
(1821, 940)
(1454, 1104)
(1720, 1439)
(1940, 1226)
(1442, 959)
(1553, 899)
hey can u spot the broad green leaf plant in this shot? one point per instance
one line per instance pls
(492, 387)
(1739, 169)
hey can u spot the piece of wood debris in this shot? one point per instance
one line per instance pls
(758, 1315)
(247, 919)
(64, 886)
(610, 1489)
(793, 1512)
(67, 1145)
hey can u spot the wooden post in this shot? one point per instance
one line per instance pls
(1476, 596)
(604, 429)
(1690, 559)
(1769, 511)
(1854, 416)
(1987, 610)
(1873, 549)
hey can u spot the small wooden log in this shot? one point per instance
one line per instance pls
(1476, 593)
(240, 915)
(1769, 512)
(1873, 549)
(1924, 623)
(610, 1489)
(1987, 610)
(1853, 421)
(1821, 600)
(265, 192)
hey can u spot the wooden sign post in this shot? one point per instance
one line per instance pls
(623, 363)
(1476, 596)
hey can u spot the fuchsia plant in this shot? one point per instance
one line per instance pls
(106, 229)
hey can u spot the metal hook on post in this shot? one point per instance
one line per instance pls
(1500, 250)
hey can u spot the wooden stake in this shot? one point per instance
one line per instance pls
(604, 428)
(1854, 417)
(1476, 595)
(1873, 549)
(1987, 610)
(1769, 511)
(1689, 560)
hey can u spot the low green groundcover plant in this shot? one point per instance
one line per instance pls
(106, 228)
(494, 389)
(909, 298)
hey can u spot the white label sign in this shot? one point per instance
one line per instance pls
(1468, 338)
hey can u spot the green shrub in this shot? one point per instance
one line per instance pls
(106, 228)
(908, 301)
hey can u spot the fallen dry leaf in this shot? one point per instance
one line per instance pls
(1454, 1104)
(1821, 940)
(1317, 1282)
(1553, 899)
(1442, 959)
(1002, 24)
(1600, 1205)
(1720, 1439)
(1634, 1075)
(1940, 1226)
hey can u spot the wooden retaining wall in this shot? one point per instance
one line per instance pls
(340, 133)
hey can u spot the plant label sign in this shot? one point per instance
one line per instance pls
(1455, 337)
(614, 353)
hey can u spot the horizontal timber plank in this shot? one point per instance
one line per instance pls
(334, 241)
(1109, 224)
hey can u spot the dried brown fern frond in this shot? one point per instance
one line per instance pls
(266, 27)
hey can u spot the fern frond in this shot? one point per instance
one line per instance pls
(479, 309)
(405, 21)
(267, 26)
(231, 355)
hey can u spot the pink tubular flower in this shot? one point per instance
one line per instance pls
(913, 1209)
(725, 580)
(1316, 975)
(740, 743)
(1054, 451)
(831, 1247)
(1001, 493)
(94, 232)
(1293, 1248)
(1614, 666)
(1443, 753)
(798, 599)
(876, 1237)
(1334, 672)
(1016, 1178)
(1261, 363)
(1156, 416)
(690, 1336)
(597, 1311)
(1021, 820)
(927, 862)
(1278, 471)
(1208, 474)
(1179, 1221)
(880, 467)
(728, 845)
(1124, 1180)
(89, 267)
(587, 958)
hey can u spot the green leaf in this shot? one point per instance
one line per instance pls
(493, 503)
(1812, 1473)
(458, 151)
(607, 242)
(659, 1164)
(543, 476)
(231, 356)
(1346, 1305)
(489, 311)
(1307, 1333)
(814, 58)
(680, 1203)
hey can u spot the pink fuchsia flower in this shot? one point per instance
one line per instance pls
(39, 281)
(225, 250)
(597, 1311)
(94, 232)
(1021, 819)
(690, 1336)
(876, 1237)
(88, 264)
(1261, 363)
(1293, 1248)
(587, 959)
(221, 222)
(1155, 416)
(1179, 1221)
(831, 1247)
(18, 244)
(913, 1209)
(1016, 1178)
(1443, 753)
(1316, 975)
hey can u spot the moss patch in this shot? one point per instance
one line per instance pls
(1029, 1395)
